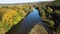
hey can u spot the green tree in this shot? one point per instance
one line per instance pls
(51, 22)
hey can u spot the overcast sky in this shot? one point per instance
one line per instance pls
(20, 1)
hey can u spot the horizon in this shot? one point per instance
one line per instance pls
(21, 1)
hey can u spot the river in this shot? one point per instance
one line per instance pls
(28, 23)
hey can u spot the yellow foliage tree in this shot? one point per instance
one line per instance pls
(9, 17)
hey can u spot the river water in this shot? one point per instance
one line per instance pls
(28, 23)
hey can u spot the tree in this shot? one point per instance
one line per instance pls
(51, 22)
(57, 12)
(10, 16)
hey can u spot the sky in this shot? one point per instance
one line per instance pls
(20, 1)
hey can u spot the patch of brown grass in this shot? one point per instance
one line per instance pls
(38, 29)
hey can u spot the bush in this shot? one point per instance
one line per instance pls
(49, 10)
(57, 12)
(58, 30)
(51, 22)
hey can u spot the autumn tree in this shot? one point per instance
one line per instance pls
(10, 16)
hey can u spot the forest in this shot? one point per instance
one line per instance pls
(50, 14)
(10, 15)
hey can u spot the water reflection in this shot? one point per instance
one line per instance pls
(32, 19)
(28, 23)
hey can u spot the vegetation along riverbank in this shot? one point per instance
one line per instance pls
(10, 15)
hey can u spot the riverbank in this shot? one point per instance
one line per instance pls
(31, 23)
(11, 15)
(50, 15)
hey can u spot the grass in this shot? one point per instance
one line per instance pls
(38, 29)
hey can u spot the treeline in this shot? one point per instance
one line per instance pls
(51, 16)
(54, 3)
(11, 14)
